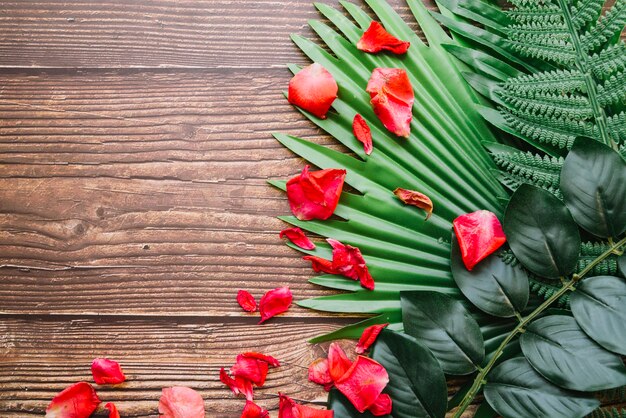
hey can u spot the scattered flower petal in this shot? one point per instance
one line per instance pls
(313, 89)
(250, 369)
(363, 383)
(368, 337)
(275, 302)
(376, 39)
(320, 374)
(392, 98)
(237, 385)
(246, 301)
(315, 194)
(382, 406)
(76, 401)
(288, 408)
(362, 133)
(338, 362)
(479, 234)
(252, 410)
(349, 261)
(113, 413)
(296, 235)
(263, 357)
(107, 371)
(411, 197)
(320, 264)
(180, 402)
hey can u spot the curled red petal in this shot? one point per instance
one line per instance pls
(382, 406)
(263, 357)
(363, 383)
(313, 89)
(315, 194)
(252, 410)
(392, 98)
(250, 369)
(320, 264)
(106, 371)
(76, 401)
(479, 234)
(288, 408)
(237, 385)
(338, 362)
(368, 337)
(349, 261)
(246, 301)
(275, 302)
(180, 402)
(319, 373)
(113, 413)
(411, 197)
(376, 39)
(296, 235)
(362, 133)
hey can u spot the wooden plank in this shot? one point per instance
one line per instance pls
(155, 33)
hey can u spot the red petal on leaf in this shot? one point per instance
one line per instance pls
(275, 302)
(338, 362)
(349, 261)
(76, 401)
(112, 410)
(363, 383)
(288, 408)
(313, 89)
(376, 39)
(362, 133)
(479, 234)
(246, 301)
(268, 359)
(252, 410)
(296, 235)
(180, 402)
(411, 197)
(314, 195)
(368, 337)
(320, 374)
(320, 264)
(237, 385)
(106, 371)
(392, 98)
(250, 369)
(382, 406)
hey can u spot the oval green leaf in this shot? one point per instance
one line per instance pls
(494, 286)
(515, 390)
(621, 264)
(559, 349)
(541, 232)
(593, 182)
(444, 326)
(599, 306)
(417, 384)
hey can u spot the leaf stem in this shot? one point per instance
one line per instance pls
(480, 379)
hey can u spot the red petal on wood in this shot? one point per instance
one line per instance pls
(288, 408)
(263, 357)
(76, 401)
(252, 410)
(107, 371)
(237, 385)
(246, 301)
(296, 235)
(113, 413)
(349, 261)
(315, 194)
(338, 362)
(181, 402)
(362, 133)
(411, 197)
(313, 89)
(369, 337)
(392, 98)
(319, 373)
(250, 369)
(320, 264)
(479, 234)
(275, 302)
(363, 383)
(382, 406)
(376, 39)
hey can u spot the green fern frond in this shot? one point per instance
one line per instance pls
(561, 106)
(544, 129)
(544, 14)
(546, 289)
(550, 81)
(607, 413)
(615, 395)
(559, 52)
(613, 91)
(608, 61)
(585, 12)
(617, 126)
(589, 251)
(607, 27)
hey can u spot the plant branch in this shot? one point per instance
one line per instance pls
(480, 379)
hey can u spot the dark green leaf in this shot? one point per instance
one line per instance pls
(342, 407)
(417, 384)
(444, 326)
(593, 182)
(515, 390)
(485, 411)
(559, 350)
(621, 264)
(599, 306)
(495, 287)
(541, 232)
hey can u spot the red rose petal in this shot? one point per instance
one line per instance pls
(296, 235)
(363, 383)
(479, 234)
(76, 401)
(314, 195)
(376, 39)
(106, 371)
(275, 302)
(268, 359)
(288, 408)
(252, 410)
(319, 373)
(250, 369)
(338, 362)
(246, 301)
(349, 261)
(113, 413)
(320, 264)
(180, 402)
(237, 385)
(313, 89)
(382, 406)
(362, 133)
(392, 98)
(411, 197)
(368, 337)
